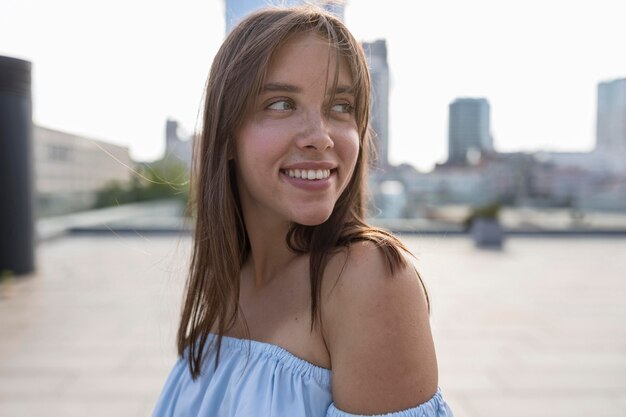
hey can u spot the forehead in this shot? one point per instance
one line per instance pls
(307, 58)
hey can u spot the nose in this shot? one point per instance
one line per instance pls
(315, 132)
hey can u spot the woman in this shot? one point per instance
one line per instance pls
(289, 288)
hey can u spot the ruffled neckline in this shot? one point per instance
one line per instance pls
(269, 351)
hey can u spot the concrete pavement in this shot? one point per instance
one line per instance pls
(533, 330)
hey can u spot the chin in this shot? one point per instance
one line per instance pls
(312, 219)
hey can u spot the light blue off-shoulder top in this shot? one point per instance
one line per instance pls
(256, 379)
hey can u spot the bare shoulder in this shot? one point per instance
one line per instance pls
(377, 330)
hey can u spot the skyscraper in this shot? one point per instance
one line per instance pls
(376, 53)
(236, 10)
(611, 118)
(175, 145)
(468, 129)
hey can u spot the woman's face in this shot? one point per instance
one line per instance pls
(296, 150)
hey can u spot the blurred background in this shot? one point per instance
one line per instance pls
(501, 132)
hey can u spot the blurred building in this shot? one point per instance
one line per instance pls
(71, 169)
(178, 145)
(450, 186)
(596, 161)
(610, 196)
(236, 10)
(376, 53)
(611, 117)
(403, 192)
(469, 130)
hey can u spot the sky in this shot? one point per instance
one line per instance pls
(116, 70)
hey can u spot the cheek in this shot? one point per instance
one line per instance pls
(262, 141)
(250, 147)
(352, 147)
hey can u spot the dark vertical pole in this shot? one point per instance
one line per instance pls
(17, 251)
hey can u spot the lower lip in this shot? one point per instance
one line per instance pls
(310, 185)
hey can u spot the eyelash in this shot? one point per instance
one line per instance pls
(282, 100)
(347, 108)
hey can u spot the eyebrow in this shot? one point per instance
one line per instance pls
(344, 89)
(290, 88)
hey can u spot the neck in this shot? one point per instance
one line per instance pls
(269, 253)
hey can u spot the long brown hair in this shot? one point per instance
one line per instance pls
(220, 244)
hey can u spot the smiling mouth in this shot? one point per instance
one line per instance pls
(308, 174)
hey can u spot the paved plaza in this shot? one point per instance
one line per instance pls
(536, 329)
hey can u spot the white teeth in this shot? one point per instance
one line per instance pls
(308, 174)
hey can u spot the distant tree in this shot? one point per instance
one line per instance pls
(164, 179)
(488, 211)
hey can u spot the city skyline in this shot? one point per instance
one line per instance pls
(117, 71)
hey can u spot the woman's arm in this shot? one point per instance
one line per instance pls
(377, 330)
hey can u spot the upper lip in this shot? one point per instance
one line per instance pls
(311, 165)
